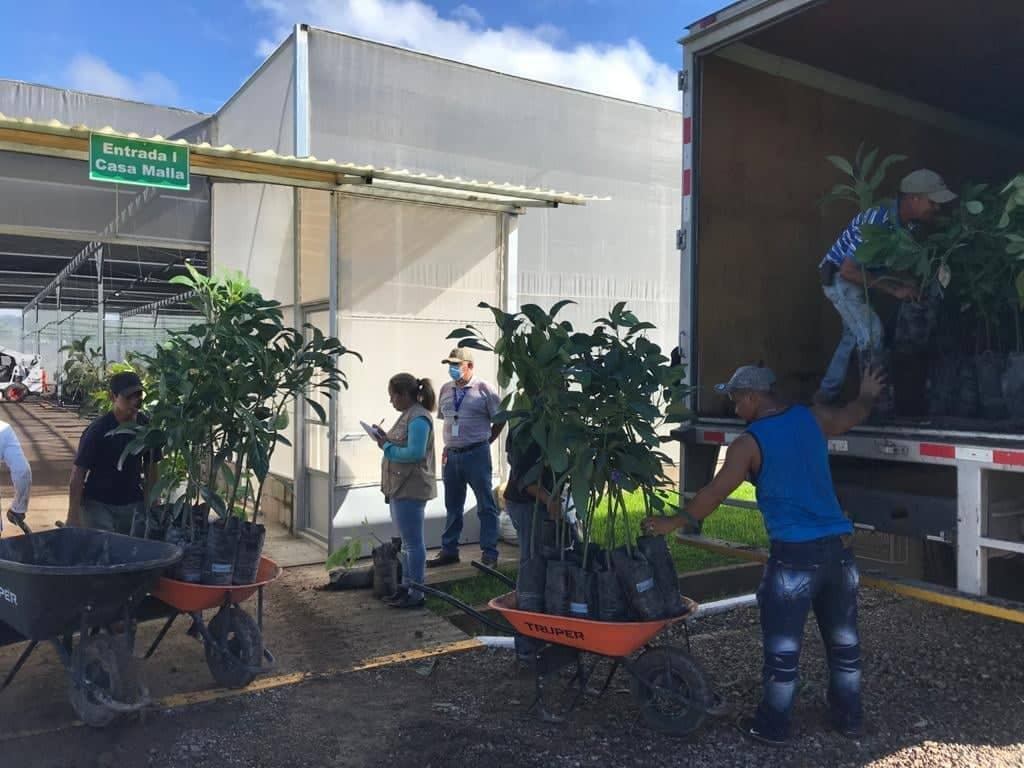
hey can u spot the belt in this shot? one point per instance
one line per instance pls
(466, 448)
(787, 547)
(827, 271)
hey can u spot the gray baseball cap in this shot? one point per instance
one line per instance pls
(925, 182)
(748, 377)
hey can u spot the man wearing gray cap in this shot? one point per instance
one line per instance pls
(843, 279)
(784, 453)
(467, 406)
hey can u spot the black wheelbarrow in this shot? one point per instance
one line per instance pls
(76, 580)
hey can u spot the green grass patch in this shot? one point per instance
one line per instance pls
(733, 524)
(473, 591)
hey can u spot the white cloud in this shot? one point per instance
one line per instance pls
(92, 74)
(626, 71)
(469, 14)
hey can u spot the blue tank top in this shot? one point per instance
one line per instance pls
(794, 486)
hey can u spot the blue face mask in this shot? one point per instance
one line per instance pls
(455, 371)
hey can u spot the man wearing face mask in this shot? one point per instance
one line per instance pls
(467, 406)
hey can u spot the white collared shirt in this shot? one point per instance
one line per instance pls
(13, 458)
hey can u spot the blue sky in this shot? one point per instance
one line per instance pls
(195, 53)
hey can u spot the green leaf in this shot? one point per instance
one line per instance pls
(558, 306)
(841, 163)
(318, 409)
(869, 160)
(536, 315)
(876, 181)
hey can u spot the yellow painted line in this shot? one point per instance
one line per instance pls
(937, 597)
(280, 681)
(40, 731)
(950, 601)
(176, 700)
(422, 653)
(180, 700)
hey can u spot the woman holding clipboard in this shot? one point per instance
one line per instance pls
(408, 476)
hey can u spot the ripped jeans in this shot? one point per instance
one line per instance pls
(820, 574)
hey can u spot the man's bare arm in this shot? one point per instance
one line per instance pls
(75, 493)
(836, 421)
(740, 460)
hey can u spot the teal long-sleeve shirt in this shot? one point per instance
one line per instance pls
(415, 449)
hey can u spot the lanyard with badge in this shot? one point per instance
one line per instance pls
(458, 396)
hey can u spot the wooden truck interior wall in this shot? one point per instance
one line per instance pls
(761, 172)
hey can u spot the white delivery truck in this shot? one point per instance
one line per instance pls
(770, 88)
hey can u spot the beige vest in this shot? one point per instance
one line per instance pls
(409, 481)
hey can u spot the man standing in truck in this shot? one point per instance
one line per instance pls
(784, 453)
(843, 279)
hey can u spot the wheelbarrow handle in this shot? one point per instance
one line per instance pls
(496, 574)
(454, 601)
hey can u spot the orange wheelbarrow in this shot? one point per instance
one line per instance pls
(233, 640)
(672, 691)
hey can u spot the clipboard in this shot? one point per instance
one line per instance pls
(373, 431)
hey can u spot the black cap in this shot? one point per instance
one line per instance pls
(125, 384)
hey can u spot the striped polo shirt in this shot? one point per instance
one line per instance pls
(851, 238)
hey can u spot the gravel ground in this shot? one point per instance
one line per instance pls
(942, 688)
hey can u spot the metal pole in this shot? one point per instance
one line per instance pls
(299, 496)
(332, 418)
(21, 342)
(38, 343)
(510, 232)
(60, 346)
(101, 310)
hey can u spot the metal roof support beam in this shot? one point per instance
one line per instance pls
(70, 268)
(108, 261)
(148, 280)
(154, 306)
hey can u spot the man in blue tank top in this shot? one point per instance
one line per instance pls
(784, 453)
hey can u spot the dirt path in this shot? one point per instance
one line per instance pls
(942, 688)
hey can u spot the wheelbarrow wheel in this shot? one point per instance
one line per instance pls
(109, 676)
(235, 657)
(672, 690)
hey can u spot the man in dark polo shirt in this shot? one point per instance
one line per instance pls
(103, 495)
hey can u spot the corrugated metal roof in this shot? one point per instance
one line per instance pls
(226, 161)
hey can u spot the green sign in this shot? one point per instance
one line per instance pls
(138, 161)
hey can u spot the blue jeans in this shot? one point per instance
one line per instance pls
(473, 469)
(862, 329)
(110, 517)
(522, 515)
(407, 515)
(820, 574)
